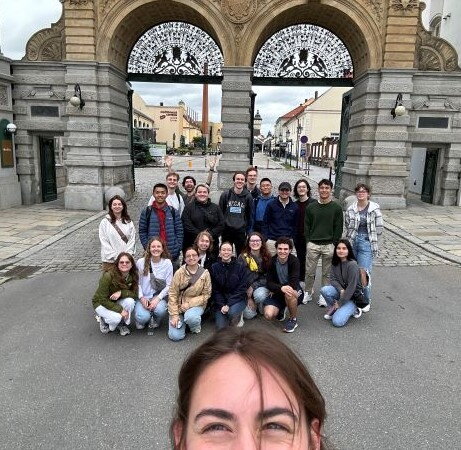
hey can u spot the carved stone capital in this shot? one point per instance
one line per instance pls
(404, 5)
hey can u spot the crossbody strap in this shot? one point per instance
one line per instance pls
(119, 231)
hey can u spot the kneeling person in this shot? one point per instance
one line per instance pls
(283, 282)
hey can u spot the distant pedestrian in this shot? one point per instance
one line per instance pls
(229, 280)
(155, 274)
(261, 202)
(202, 215)
(364, 225)
(280, 218)
(251, 176)
(163, 221)
(283, 282)
(204, 244)
(302, 194)
(114, 299)
(257, 259)
(323, 227)
(117, 232)
(346, 288)
(188, 296)
(237, 207)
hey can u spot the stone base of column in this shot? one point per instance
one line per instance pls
(10, 192)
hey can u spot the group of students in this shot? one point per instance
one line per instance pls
(278, 242)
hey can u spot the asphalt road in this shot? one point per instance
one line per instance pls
(391, 379)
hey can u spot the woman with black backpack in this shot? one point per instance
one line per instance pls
(346, 294)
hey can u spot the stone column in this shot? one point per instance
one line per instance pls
(10, 190)
(98, 156)
(450, 176)
(236, 118)
(378, 145)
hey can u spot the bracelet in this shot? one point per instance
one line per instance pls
(211, 170)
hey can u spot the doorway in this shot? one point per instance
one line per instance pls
(429, 176)
(48, 169)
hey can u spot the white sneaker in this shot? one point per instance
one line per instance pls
(321, 301)
(241, 321)
(153, 323)
(123, 330)
(103, 327)
(358, 313)
(197, 330)
(366, 308)
(139, 326)
(307, 297)
(303, 285)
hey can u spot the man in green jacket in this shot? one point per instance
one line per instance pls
(323, 226)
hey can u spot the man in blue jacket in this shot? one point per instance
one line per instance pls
(261, 202)
(280, 218)
(163, 221)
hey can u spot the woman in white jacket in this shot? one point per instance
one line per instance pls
(117, 232)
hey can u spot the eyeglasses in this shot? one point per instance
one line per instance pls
(362, 192)
(254, 241)
(124, 262)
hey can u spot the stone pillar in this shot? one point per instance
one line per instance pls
(10, 190)
(378, 145)
(98, 154)
(450, 173)
(236, 118)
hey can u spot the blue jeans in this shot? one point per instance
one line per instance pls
(224, 320)
(363, 252)
(143, 315)
(259, 295)
(192, 318)
(345, 312)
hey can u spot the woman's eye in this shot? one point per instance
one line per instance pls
(277, 426)
(215, 427)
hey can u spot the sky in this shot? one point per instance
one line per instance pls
(16, 27)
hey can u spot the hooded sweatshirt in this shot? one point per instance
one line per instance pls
(237, 209)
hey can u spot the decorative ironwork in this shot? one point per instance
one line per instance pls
(304, 51)
(176, 48)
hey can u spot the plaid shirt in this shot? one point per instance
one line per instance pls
(374, 224)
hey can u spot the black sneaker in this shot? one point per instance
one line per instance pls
(290, 325)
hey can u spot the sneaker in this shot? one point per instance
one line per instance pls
(123, 330)
(358, 313)
(139, 326)
(281, 316)
(303, 285)
(366, 308)
(290, 325)
(307, 297)
(197, 330)
(241, 321)
(321, 301)
(153, 323)
(103, 327)
(330, 311)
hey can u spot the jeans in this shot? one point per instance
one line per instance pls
(314, 252)
(192, 318)
(143, 315)
(259, 295)
(224, 320)
(347, 309)
(363, 252)
(113, 318)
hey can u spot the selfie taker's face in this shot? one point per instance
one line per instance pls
(225, 411)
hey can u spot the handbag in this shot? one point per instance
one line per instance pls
(359, 297)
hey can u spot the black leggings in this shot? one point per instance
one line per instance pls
(236, 237)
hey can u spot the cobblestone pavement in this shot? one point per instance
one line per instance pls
(79, 250)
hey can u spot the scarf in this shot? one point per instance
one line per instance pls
(161, 214)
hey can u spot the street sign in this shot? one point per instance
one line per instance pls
(304, 139)
(303, 149)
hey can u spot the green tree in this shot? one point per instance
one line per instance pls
(140, 149)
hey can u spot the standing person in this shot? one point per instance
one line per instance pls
(237, 207)
(163, 221)
(251, 176)
(174, 198)
(116, 232)
(115, 297)
(283, 282)
(345, 286)
(201, 215)
(229, 280)
(204, 244)
(323, 227)
(261, 202)
(187, 298)
(280, 218)
(257, 259)
(364, 224)
(302, 194)
(155, 273)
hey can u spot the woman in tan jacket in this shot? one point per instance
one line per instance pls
(188, 296)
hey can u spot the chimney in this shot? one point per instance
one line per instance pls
(161, 103)
(305, 100)
(316, 95)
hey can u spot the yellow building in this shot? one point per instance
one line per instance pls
(215, 137)
(141, 114)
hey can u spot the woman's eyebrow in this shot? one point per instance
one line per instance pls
(215, 412)
(268, 413)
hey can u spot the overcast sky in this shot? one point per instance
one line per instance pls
(19, 19)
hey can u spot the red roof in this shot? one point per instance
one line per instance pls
(298, 110)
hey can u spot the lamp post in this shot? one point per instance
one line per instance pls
(269, 137)
(280, 141)
(287, 135)
(299, 129)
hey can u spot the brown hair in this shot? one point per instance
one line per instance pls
(117, 275)
(363, 186)
(208, 235)
(176, 175)
(259, 350)
(239, 172)
(265, 254)
(147, 256)
(251, 169)
(125, 217)
(284, 240)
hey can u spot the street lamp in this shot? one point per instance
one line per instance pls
(287, 135)
(298, 132)
(269, 137)
(280, 141)
(77, 100)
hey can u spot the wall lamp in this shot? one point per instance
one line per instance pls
(398, 109)
(77, 100)
(11, 128)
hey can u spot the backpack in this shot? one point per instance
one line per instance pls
(149, 212)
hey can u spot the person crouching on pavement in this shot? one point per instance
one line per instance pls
(155, 273)
(229, 280)
(188, 295)
(114, 299)
(283, 282)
